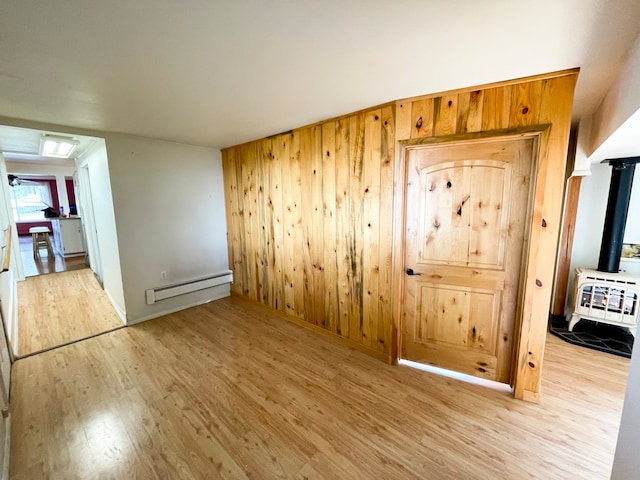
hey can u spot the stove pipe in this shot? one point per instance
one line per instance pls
(617, 209)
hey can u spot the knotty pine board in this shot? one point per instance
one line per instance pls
(337, 226)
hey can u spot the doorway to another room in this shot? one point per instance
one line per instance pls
(47, 244)
(466, 215)
(61, 299)
(46, 263)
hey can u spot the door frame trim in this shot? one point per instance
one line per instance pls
(529, 285)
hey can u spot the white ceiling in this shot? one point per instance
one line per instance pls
(624, 142)
(23, 144)
(218, 73)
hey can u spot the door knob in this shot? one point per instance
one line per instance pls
(411, 272)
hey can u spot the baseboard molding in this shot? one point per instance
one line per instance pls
(162, 313)
(383, 357)
(7, 449)
(121, 313)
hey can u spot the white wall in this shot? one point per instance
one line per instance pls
(621, 101)
(8, 288)
(581, 163)
(626, 462)
(170, 216)
(105, 225)
(58, 171)
(592, 205)
(632, 232)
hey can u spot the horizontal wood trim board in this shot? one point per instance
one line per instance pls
(313, 214)
(485, 86)
(489, 136)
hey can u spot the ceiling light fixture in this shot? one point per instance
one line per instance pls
(57, 147)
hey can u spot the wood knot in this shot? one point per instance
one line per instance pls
(450, 103)
(419, 123)
(525, 110)
(538, 283)
(544, 223)
(376, 117)
(449, 184)
(532, 365)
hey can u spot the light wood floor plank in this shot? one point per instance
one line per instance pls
(61, 307)
(231, 390)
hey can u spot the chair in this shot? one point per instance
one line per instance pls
(40, 236)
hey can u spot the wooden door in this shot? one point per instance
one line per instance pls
(466, 213)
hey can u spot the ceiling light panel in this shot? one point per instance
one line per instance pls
(57, 147)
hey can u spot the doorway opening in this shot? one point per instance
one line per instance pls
(60, 297)
(466, 232)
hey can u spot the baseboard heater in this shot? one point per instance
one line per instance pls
(162, 293)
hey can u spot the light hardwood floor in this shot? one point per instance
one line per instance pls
(61, 307)
(231, 390)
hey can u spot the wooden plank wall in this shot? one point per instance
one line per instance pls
(310, 213)
(309, 223)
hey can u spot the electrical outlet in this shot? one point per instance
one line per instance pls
(163, 275)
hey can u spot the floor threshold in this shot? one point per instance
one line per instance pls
(501, 387)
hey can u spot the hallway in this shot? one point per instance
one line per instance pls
(62, 307)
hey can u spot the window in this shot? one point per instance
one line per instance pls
(28, 199)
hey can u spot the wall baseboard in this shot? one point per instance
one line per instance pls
(162, 313)
(7, 450)
(121, 313)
